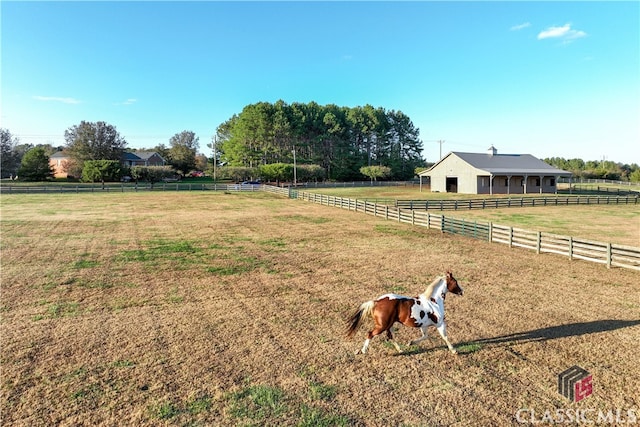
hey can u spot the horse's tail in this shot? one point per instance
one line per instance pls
(365, 309)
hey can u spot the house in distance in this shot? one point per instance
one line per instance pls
(58, 161)
(492, 173)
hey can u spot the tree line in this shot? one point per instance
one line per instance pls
(340, 140)
(594, 169)
(273, 142)
(94, 153)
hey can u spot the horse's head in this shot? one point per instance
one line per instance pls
(452, 284)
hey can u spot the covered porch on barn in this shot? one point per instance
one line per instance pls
(518, 183)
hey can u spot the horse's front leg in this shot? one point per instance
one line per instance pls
(424, 336)
(442, 329)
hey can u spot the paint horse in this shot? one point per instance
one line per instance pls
(427, 309)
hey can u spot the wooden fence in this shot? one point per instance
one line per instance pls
(508, 202)
(122, 188)
(611, 255)
(582, 188)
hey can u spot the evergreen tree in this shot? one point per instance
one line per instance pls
(35, 166)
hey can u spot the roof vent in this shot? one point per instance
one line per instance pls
(492, 151)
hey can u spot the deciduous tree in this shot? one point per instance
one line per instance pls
(182, 154)
(10, 161)
(151, 174)
(375, 172)
(101, 171)
(92, 141)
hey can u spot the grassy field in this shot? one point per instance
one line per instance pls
(203, 308)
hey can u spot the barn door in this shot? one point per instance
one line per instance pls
(452, 185)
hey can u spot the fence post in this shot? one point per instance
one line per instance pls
(609, 255)
(571, 248)
(510, 237)
(490, 231)
(539, 242)
(442, 224)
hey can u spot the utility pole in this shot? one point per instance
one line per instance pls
(213, 147)
(440, 142)
(295, 173)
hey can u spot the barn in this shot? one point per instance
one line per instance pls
(492, 173)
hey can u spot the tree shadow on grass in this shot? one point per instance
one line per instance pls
(560, 331)
(536, 335)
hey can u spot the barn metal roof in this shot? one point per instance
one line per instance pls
(505, 164)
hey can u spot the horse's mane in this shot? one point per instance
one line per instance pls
(431, 288)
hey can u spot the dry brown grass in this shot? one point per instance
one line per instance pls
(228, 309)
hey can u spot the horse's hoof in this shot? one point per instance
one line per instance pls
(454, 351)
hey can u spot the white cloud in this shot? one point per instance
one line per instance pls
(129, 101)
(57, 99)
(520, 26)
(565, 33)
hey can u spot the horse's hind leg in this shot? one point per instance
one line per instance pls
(422, 338)
(376, 331)
(390, 338)
(365, 346)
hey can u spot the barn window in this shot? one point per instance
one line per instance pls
(537, 182)
(552, 182)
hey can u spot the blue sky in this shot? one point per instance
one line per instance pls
(557, 79)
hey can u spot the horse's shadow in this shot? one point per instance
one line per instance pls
(536, 335)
